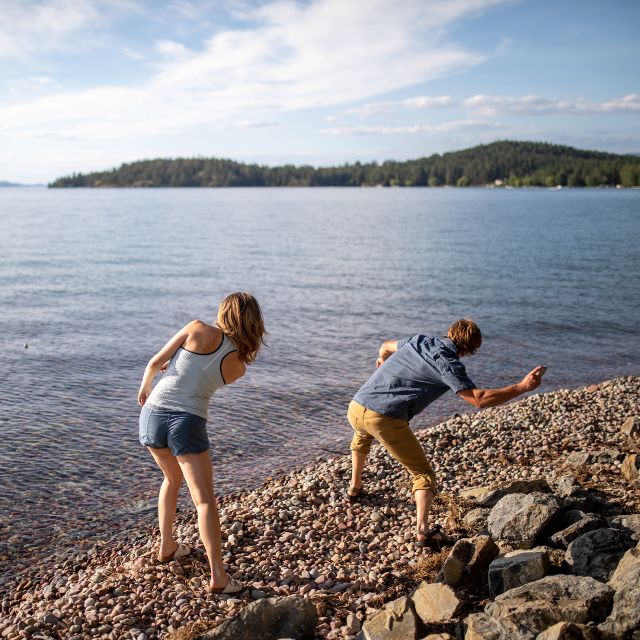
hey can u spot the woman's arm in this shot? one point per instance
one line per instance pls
(160, 359)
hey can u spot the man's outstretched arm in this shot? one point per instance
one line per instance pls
(483, 398)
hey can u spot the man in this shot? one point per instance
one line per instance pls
(411, 373)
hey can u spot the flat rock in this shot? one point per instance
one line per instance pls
(268, 619)
(577, 459)
(476, 519)
(536, 606)
(395, 621)
(519, 518)
(436, 603)
(566, 536)
(486, 497)
(625, 614)
(629, 523)
(597, 553)
(569, 631)
(631, 426)
(515, 569)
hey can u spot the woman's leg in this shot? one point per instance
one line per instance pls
(168, 498)
(198, 472)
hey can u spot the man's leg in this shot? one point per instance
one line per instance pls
(360, 445)
(398, 439)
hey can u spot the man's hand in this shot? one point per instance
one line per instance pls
(533, 379)
(379, 362)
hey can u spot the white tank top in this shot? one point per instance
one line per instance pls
(191, 379)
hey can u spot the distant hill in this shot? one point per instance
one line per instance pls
(508, 162)
(4, 183)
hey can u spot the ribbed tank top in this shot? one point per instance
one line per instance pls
(191, 379)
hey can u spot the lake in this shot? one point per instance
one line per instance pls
(96, 281)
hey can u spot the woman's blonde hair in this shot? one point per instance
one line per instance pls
(240, 317)
(466, 335)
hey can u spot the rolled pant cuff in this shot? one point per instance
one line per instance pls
(361, 448)
(426, 484)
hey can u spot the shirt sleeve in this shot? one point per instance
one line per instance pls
(454, 375)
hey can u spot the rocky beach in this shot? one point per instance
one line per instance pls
(568, 457)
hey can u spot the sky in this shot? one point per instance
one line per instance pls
(89, 84)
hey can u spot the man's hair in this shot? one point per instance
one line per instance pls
(466, 335)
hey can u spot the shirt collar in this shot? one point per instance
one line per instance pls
(448, 342)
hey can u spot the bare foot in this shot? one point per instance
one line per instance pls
(167, 549)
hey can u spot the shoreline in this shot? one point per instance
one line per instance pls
(295, 533)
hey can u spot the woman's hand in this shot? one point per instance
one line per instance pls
(143, 394)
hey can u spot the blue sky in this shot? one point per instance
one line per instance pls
(89, 84)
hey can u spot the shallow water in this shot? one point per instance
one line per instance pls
(96, 281)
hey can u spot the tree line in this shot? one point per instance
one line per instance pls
(517, 164)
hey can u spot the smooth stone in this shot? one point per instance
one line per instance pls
(569, 631)
(436, 603)
(396, 621)
(631, 426)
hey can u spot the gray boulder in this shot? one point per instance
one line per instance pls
(629, 523)
(468, 560)
(480, 626)
(597, 553)
(517, 568)
(268, 619)
(476, 519)
(536, 606)
(625, 614)
(486, 497)
(395, 621)
(519, 518)
(566, 536)
(574, 495)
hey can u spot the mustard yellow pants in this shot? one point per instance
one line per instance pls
(396, 437)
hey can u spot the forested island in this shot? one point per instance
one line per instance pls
(508, 163)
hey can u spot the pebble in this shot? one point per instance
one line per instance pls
(342, 551)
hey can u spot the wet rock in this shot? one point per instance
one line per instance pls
(519, 518)
(436, 603)
(625, 614)
(597, 553)
(569, 631)
(536, 606)
(631, 469)
(396, 621)
(268, 619)
(565, 537)
(517, 568)
(631, 426)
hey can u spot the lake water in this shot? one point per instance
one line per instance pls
(95, 282)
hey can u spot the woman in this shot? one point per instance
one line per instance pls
(197, 361)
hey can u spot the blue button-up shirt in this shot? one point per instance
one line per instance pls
(419, 372)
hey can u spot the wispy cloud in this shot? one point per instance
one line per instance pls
(445, 127)
(289, 56)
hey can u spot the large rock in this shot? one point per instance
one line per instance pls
(515, 569)
(574, 495)
(629, 523)
(519, 518)
(476, 519)
(631, 468)
(631, 426)
(486, 497)
(590, 522)
(480, 626)
(268, 619)
(436, 603)
(468, 561)
(597, 553)
(396, 621)
(625, 614)
(569, 631)
(536, 606)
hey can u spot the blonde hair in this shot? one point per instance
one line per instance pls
(240, 317)
(466, 335)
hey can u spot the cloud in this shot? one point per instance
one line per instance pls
(532, 105)
(287, 56)
(427, 102)
(26, 27)
(445, 127)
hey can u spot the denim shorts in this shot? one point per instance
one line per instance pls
(182, 432)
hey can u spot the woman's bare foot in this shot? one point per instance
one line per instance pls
(167, 549)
